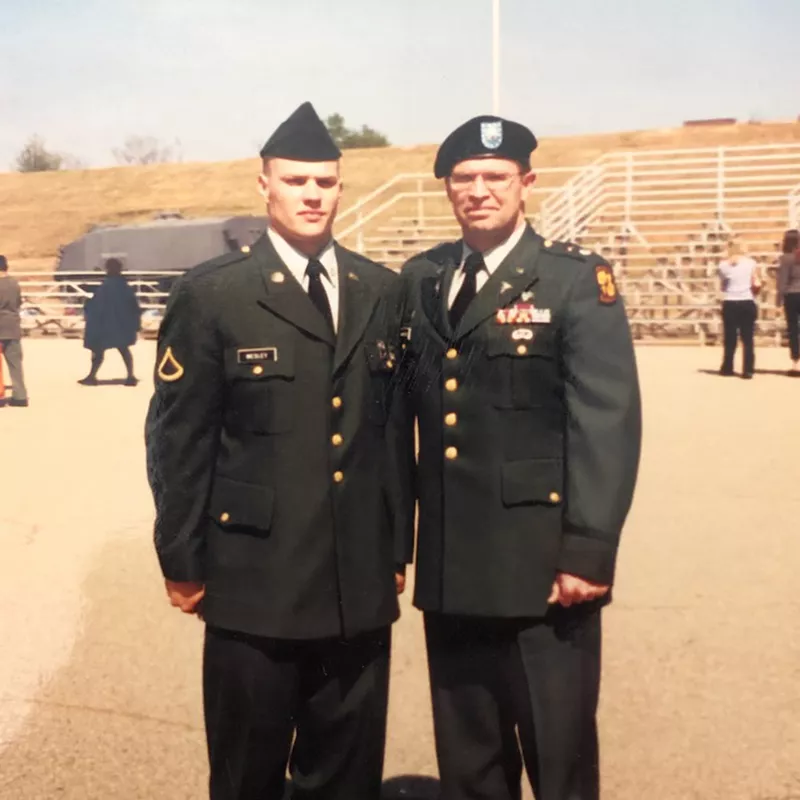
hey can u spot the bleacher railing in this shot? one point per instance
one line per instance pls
(794, 207)
(718, 183)
(422, 199)
(55, 306)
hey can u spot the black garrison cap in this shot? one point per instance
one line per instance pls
(485, 136)
(302, 137)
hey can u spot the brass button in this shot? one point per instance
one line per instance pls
(336, 402)
(225, 517)
(258, 370)
(337, 439)
(450, 420)
(522, 350)
(451, 453)
(390, 364)
(452, 353)
(451, 384)
(246, 249)
(555, 497)
(338, 477)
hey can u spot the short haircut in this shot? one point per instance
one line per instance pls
(113, 266)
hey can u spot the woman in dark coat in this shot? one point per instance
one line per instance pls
(113, 318)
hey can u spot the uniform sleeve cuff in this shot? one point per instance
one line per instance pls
(588, 555)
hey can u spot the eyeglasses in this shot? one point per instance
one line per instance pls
(493, 181)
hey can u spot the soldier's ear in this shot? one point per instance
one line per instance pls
(263, 186)
(527, 180)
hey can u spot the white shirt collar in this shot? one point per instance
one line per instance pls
(297, 262)
(494, 257)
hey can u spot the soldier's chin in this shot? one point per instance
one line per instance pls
(482, 220)
(313, 227)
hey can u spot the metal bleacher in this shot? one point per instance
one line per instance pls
(660, 217)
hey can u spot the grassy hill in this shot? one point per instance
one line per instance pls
(40, 211)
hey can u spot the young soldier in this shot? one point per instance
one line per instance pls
(275, 488)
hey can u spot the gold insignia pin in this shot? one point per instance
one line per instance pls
(520, 270)
(245, 249)
(277, 277)
(505, 286)
(548, 242)
(352, 276)
(170, 369)
(527, 296)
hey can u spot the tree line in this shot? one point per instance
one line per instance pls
(35, 156)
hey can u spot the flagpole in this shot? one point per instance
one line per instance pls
(496, 57)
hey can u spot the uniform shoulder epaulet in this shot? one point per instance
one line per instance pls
(568, 249)
(607, 292)
(438, 255)
(218, 261)
(364, 261)
(444, 252)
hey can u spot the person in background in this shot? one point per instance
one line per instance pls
(789, 292)
(741, 281)
(11, 334)
(113, 317)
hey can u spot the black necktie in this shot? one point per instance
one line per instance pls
(316, 291)
(469, 288)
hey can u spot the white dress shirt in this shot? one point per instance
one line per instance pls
(491, 258)
(297, 263)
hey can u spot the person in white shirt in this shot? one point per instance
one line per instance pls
(741, 280)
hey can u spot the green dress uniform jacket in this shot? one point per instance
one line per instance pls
(268, 447)
(529, 427)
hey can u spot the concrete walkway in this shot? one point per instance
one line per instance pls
(99, 678)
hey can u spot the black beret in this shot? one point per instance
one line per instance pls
(302, 137)
(485, 136)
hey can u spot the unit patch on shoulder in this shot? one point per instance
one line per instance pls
(605, 283)
(170, 369)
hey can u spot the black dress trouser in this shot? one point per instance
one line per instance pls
(791, 307)
(330, 695)
(739, 319)
(499, 686)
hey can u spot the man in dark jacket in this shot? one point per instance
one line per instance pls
(11, 334)
(271, 462)
(520, 369)
(113, 318)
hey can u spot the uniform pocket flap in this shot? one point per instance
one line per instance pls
(539, 480)
(525, 342)
(260, 363)
(241, 505)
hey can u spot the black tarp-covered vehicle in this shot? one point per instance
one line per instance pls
(167, 244)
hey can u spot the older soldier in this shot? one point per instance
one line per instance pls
(520, 369)
(273, 481)
(11, 335)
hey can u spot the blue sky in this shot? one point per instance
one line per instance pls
(218, 76)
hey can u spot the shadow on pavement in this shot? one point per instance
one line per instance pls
(401, 787)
